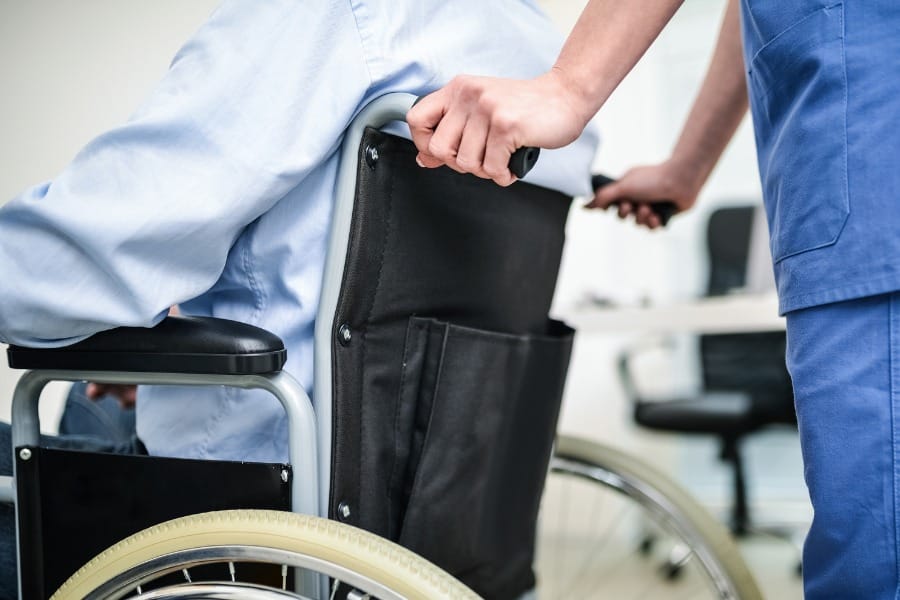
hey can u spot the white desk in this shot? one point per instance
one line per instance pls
(724, 314)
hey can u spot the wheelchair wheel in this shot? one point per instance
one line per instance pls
(213, 555)
(611, 526)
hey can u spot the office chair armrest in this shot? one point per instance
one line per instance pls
(176, 345)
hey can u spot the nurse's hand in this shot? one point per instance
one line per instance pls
(640, 187)
(474, 124)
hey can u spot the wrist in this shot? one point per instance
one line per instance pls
(684, 178)
(574, 96)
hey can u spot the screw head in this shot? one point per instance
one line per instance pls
(344, 334)
(371, 156)
(343, 511)
(284, 475)
(25, 454)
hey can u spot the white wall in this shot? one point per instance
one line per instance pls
(70, 70)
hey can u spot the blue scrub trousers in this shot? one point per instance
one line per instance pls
(844, 359)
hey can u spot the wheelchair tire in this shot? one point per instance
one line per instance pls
(612, 526)
(242, 536)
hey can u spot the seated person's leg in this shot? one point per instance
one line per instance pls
(103, 417)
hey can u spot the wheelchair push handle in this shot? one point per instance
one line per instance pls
(664, 209)
(521, 161)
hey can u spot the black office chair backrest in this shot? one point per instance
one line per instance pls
(751, 362)
(447, 373)
(728, 243)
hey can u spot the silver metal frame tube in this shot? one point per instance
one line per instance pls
(297, 406)
(377, 114)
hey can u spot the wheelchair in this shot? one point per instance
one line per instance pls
(419, 471)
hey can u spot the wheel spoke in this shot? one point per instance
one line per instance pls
(618, 521)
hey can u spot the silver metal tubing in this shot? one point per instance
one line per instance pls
(7, 491)
(217, 591)
(297, 405)
(123, 583)
(301, 418)
(657, 506)
(377, 114)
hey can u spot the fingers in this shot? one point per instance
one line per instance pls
(445, 142)
(455, 126)
(470, 156)
(125, 394)
(496, 156)
(634, 194)
(607, 195)
(422, 119)
(468, 144)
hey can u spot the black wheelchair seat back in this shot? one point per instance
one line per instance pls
(447, 372)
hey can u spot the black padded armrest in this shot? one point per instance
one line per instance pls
(176, 345)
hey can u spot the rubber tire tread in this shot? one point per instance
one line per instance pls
(367, 554)
(686, 509)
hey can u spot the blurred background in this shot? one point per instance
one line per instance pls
(72, 69)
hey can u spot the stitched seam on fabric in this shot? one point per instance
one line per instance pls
(363, 40)
(846, 128)
(794, 26)
(384, 242)
(429, 430)
(865, 285)
(365, 331)
(393, 472)
(892, 362)
(247, 263)
(216, 419)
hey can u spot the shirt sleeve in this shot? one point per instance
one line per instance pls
(145, 215)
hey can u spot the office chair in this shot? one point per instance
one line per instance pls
(745, 384)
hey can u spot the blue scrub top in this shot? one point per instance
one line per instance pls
(824, 85)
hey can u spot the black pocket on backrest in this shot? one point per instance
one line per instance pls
(479, 411)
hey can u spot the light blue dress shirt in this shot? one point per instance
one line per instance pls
(216, 195)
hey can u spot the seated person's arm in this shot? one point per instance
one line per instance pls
(146, 214)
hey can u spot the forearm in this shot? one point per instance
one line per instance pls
(605, 44)
(719, 108)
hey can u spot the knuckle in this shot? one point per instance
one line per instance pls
(439, 150)
(468, 94)
(487, 103)
(495, 173)
(467, 163)
(502, 121)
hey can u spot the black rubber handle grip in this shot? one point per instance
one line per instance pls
(664, 209)
(521, 161)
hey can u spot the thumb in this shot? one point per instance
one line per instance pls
(608, 194)
(428, 161)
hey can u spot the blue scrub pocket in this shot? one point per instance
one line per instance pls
(798, 96)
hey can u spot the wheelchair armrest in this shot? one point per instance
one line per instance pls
(176, 345)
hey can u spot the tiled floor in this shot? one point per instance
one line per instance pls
(774, 564)
(592, 544)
